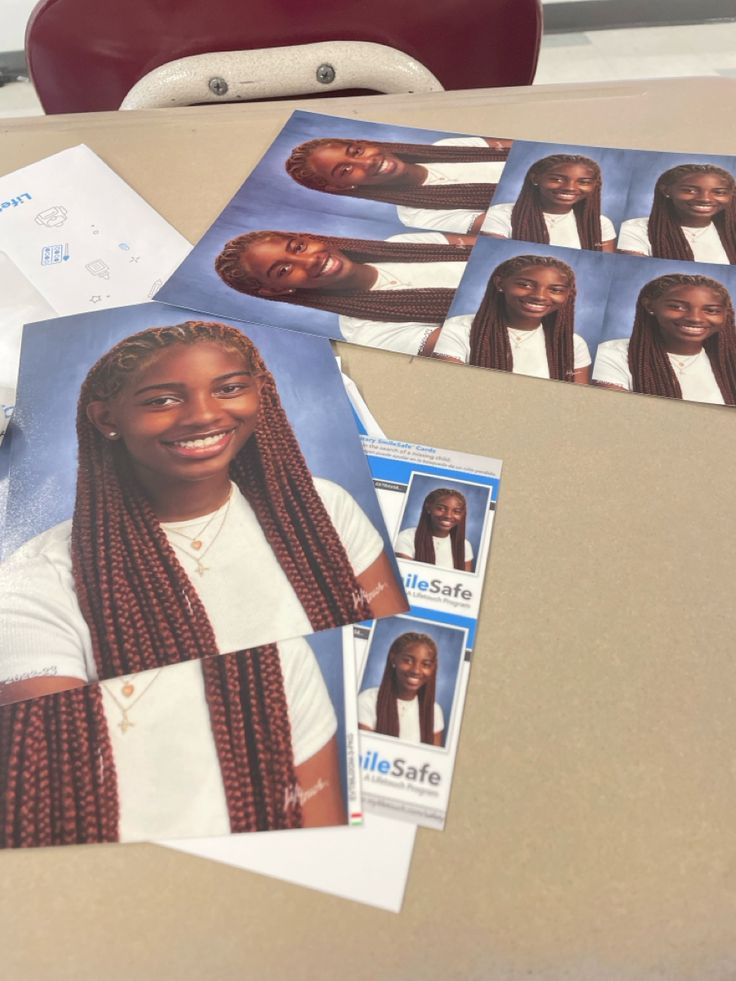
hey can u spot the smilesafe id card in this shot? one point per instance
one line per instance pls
(413, 669)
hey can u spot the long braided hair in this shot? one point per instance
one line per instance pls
(472, 197)
(58, 784)
(423, 543)
(664, 226)
(387, 710)
(651, 369)
(57, 774)
(489, 339)
(426, 305)
(527, 216)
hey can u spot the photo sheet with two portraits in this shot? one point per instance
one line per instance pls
(193, 488)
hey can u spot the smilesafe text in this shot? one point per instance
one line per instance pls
(412, 580)
(372, 762)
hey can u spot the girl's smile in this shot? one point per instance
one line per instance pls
(561, 188)
(182, 418)
(202, 447)
(531, 294)
(412, 669)
(348, 165)
(687, 316)
(697, 198)
(445, 514)
(284, 263)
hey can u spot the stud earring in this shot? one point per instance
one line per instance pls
(113, 434)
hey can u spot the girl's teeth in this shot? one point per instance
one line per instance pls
(198, 444)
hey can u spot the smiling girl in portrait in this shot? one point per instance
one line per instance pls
(445, 186)
(197, 530)
(403, 705)
(439, 538)
(682, 345)
(393, 294)
(525, 323)
(693, 217)
(559, 204)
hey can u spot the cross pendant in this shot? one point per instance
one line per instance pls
(125, 724)
(201, 567)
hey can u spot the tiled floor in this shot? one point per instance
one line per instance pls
(646, 52)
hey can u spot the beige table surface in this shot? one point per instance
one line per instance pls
(591, 828)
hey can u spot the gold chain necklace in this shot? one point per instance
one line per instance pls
(127, 690)
(682, 363)
(516, 338)
(197, 541)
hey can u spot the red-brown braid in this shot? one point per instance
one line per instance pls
(387, 711)
(489, 338)
(250, 721)
(470, 197)
(143, 612)
(527, 216)
(651, 370)
(425, 305)
(423, 541)
(664, 228)
(57, 776)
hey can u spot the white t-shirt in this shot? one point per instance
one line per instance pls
(705, 242)
(249, 600)
(409, 727)
(406, 338)
(528, 348)
(459, 219)
(563, 229)
(442, 548)
(168, 774)
(694, 373)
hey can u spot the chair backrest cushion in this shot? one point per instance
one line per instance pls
(85, 55)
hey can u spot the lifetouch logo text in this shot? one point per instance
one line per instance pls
(373, 763)
(413, 581)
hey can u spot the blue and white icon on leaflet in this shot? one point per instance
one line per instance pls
(52, 217)
(53, 254)
(98, 267)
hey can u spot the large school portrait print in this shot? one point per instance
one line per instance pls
(374, 283)
(426, 179)
(215, 497)
(248, 741)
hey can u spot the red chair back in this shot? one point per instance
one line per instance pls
(85, 55)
